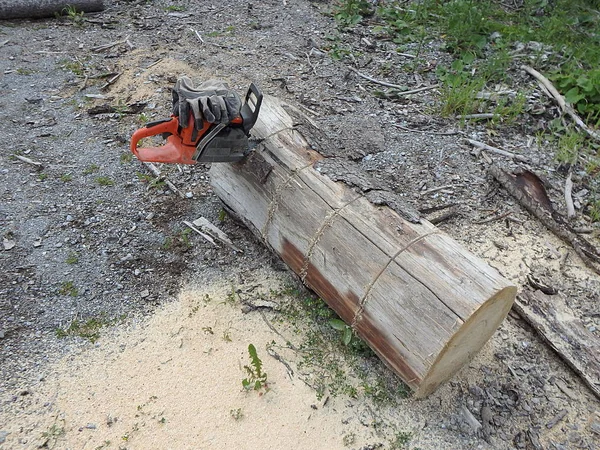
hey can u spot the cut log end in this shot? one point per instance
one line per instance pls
(468, 340)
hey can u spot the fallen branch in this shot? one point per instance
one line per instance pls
(566, 333)
(152, 168)
(104, 47)
(498, 151)
(568, 196)
(395, 86)
(37, 165)
(205, 225)
(205, 236)
(564, 106)
(550, 219)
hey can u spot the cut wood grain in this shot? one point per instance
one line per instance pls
(421, 301)
(566, 334)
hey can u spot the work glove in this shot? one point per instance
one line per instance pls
(212, 101)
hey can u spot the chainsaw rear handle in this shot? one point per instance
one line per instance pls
(251, 107)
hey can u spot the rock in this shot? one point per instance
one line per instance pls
(3, 435)
(9, 244)
(2, 334)
(145, 293)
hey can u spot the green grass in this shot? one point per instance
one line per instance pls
(68, 288)
(72, 258)
(66, 177)
(487, 43)
(88, 329)
(92, 168)
(105, 181)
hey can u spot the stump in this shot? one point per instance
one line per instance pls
(420, 300)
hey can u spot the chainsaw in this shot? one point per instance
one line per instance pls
(212, 143)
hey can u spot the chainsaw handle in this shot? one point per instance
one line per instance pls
(174, 151)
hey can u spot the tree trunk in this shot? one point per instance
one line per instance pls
(422, 302)
(36, 9)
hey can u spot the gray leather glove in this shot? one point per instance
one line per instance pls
(212, 101)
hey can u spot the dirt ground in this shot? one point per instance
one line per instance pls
(91, 236)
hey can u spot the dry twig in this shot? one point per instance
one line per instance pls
(157, 173)
(498, 151)
(564, 106)
(394, 86)
(568, 197)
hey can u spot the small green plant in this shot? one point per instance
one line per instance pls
(88, 329)
(222, 215)
(72, 258)
(349, 439)
(236, 414)
(42, 176)
(570, 144)
(348, 13)
(92, 168)
(346, 330)
(68, 288)
(105, 181)
(126, 157)
(143, 118)
(256, 379)
(76, 66)
(22, 71)
(66, 177)
(52, 435)
(401, 440)
(175, 8)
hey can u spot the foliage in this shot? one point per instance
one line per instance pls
(256, 379)
(105, 181)
(348, 13)
(68, 288)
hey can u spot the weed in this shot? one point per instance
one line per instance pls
(22, 71)
(42, 176)
(175, 8)
(227, 335)
(68, 288)
(72, 258)
(256, 379)
(569, 145)
(236, 414)
(143, 118)
(594, 210)
(52, 435)
(73, 15)
(92, 168)
(231, 296)
(222, 215)
(105, 181)
(126, 157)
(208, 330)
(87, 329)
(401, 440)
(66, 177)
(348, 13)
(349, 439)
(76, 66)
(180, 241)
(346, 330)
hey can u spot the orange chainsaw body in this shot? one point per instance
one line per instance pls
(212, 143)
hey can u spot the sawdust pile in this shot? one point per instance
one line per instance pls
(175, 382)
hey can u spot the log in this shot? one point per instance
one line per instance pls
(37, 9)
(420, 300)
(566, 333)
